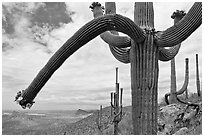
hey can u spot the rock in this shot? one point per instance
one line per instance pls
(166, 118)
(168, 113)
(176, 119)
(182, 131)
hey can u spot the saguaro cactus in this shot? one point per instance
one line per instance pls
(99, 120)
(143, 54)
(197, 77)
(116, 108)
(183, 88)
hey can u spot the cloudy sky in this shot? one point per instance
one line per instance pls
(32, 32)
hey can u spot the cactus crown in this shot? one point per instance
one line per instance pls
(96, 4)
(178, 13)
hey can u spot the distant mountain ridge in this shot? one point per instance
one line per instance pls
(83, 112)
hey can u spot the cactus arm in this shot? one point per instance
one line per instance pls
(80, 38)
(119, 113)
(166, 98)
(112, 105)
(168, 54)
(108, 37)
(120, 54)
(115, 41)
(183, 29)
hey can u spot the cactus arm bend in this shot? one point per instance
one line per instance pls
(185, 84)
(108, 37)
(183, 29)
(166, 98)
(168, 54)
(115, 41)
(121, 54)
(80, 38)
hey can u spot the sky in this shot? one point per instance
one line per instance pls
(32, 32)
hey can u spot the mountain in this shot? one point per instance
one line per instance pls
(80, 112)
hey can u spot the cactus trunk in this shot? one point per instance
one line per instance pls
(117, 116)
(144, 75)
(144, 81)
(116, 104)
(172, 97)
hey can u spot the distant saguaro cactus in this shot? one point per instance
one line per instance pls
(116, 108)
(99, 120)
(197, 77)
(142, 48)
(183, 88)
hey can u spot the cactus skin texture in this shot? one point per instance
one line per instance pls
(143, 54)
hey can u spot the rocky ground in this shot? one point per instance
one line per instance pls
(173, 119)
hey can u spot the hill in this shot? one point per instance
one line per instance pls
(169, 121)
(81, 112)
(36, 122)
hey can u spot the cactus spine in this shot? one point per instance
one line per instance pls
(116, 106)
(197, 77)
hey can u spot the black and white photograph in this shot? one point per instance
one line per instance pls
(101, 68)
